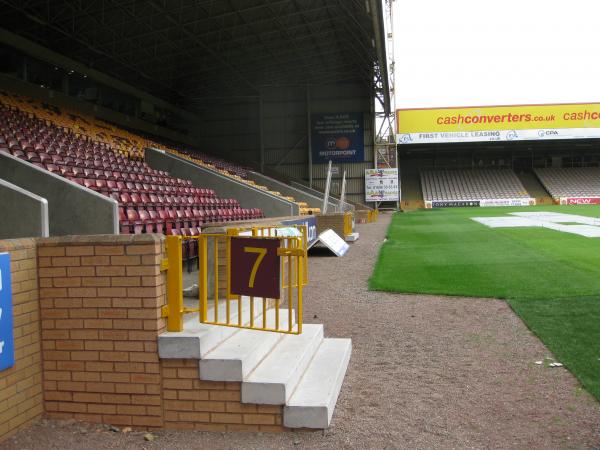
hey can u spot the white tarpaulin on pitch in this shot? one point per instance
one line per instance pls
(566, 223)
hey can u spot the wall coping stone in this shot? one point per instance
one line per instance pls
(100, 239)
(13, 244)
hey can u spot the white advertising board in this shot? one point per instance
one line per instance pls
(381, 185)
(498, 135)
(480, 203)
(333, 242)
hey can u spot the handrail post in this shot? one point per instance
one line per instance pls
(300, 270)
(203, 277)
(174, 284)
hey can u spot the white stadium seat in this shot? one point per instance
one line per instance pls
(570, 182)
(477, 184)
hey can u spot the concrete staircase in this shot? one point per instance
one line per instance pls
(302, 372)
(534, 188)
(412, 196)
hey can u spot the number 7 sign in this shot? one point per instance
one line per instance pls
(255, 267)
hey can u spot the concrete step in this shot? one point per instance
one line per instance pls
(197, 338)
(312, 403)
(352, 237)
(236, 357)
(274, 379)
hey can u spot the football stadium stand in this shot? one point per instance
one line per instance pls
(459, 185)
(575, 182)
(109, 160)
(150, 201)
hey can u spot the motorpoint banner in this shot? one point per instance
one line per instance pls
(337, 137)
(498, 123)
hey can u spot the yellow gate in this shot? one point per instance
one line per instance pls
(249, 278)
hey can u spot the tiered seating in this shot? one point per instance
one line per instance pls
(120, 141)
(575, 182)
(129, 144)
(237, 172)
(213, 162)
(150, 201)
(480, 184)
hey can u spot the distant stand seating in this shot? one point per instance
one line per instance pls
(477, 184)
(150, 201)
(570, 181)
(218, 163)
(240, 173)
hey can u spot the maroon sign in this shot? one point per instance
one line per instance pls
(255, 267)
(583, 201)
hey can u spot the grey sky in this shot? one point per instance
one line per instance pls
(469, 52)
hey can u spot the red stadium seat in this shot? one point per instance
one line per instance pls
(148, 223)
(151, 200)
(135, 222)
(159, 223)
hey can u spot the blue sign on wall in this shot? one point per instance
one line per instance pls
(338, 137)
(7, 348)
(311, 225)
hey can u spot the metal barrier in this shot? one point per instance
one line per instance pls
(256, 274)
(348, 224)
(373, 215)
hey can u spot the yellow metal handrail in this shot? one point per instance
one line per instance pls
(293, 273)
(373, 215)
(348, 228)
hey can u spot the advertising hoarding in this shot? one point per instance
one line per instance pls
(311, 225)
(580, 201)
(7, 350)
(337, 137)
(381, 185)
(498, 123)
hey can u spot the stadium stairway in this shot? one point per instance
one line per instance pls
(412, 197)
(534, 188)
(304, 372)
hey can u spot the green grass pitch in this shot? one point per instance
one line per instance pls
(551, 279)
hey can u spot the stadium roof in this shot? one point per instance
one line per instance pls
(189, 51)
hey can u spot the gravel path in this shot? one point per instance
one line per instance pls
(426, 372)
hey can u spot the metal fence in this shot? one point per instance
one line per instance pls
(249, 278)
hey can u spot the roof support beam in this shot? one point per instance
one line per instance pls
(216, 56)
(378, 28)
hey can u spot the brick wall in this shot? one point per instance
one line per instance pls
(334, 221)
(87, 314)
(21, 399)
(361, 215)
(191, 403)
(100, 301)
